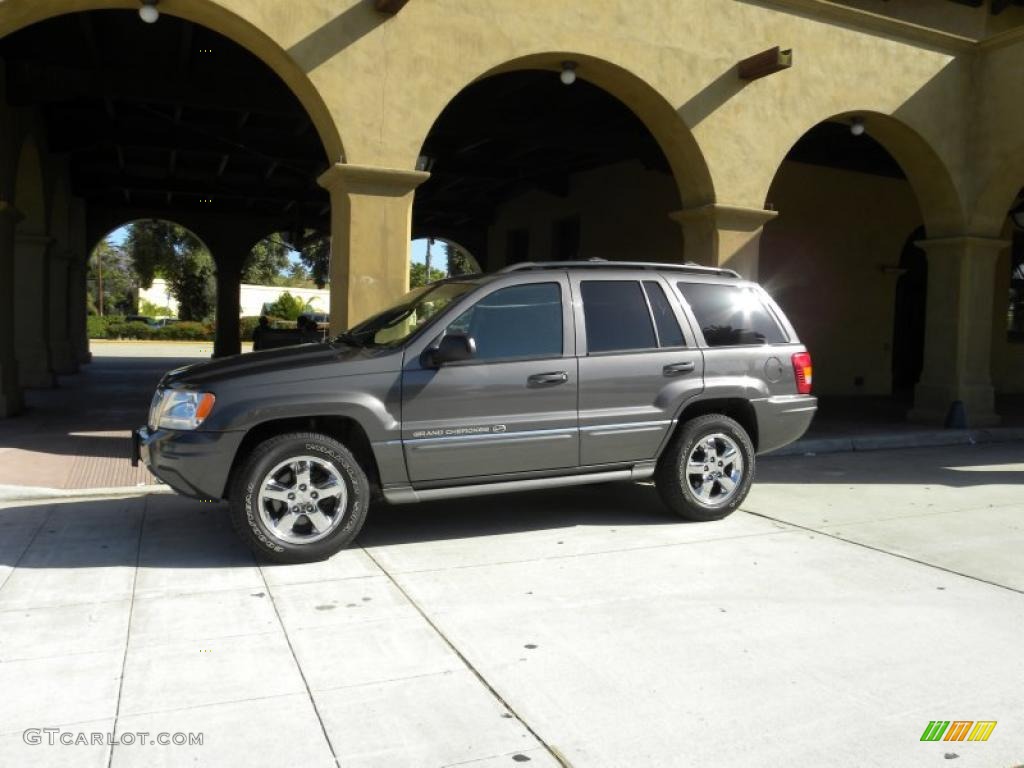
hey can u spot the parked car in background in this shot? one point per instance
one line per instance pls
(541, 375)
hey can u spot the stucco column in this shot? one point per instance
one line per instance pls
(10, 391)
(229, 302)
(77, 309)
(371, 222)
(31, 310)
(62, 358)
(958, 330)
(719, 235)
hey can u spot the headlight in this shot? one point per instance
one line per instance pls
(180, 409)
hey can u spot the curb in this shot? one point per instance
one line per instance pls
(929, 438)
(35, 493)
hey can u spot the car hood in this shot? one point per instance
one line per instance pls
(305, 361)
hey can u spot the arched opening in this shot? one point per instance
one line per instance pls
(526, 167)
(435, 258)
(154, 125)
(839, 260)
(147, 278)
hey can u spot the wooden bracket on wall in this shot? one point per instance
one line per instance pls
(765, 63)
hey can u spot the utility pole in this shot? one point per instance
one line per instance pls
(430, 242)
(99, 273)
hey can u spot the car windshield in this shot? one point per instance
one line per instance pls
(399, 322)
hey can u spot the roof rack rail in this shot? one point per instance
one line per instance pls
(690, 267)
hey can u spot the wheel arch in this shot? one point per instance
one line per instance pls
(738, 409)
(345, 429)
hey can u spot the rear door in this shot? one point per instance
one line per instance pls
(510, 409)
(638, 363)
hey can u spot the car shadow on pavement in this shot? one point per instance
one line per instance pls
(183, 533)
(602, 505)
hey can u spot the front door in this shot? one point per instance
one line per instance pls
(512, 407)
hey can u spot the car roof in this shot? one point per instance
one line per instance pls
(601, 264)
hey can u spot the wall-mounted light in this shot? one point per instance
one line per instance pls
(568, 75)
(857, 126)
(148, 12)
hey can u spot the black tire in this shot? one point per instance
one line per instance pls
(248, 482)
(677, 491)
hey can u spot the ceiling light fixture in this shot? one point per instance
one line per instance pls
(148, 12)
(568, 75)
(857, 126)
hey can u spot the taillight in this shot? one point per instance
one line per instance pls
(803, 372)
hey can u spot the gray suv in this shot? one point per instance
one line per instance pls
(541, 375)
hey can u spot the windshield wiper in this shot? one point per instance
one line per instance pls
(348, 338)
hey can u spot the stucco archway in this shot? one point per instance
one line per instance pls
(15, 16)
(674, 137)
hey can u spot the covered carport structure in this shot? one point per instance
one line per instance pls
(108, 120)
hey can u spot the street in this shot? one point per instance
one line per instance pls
(855, 599)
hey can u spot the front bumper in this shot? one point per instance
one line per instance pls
(783, 419)
(193, 463)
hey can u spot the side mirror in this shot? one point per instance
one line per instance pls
(454, 347)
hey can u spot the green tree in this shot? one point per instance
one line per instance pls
(267, 261)
(149, 309)
(297, 276)
(161, 248)
(418, 275)
(315, 255)
(112, 281)
(459, 261)
(290, 307)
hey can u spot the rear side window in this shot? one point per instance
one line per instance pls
(729, 315)
(616, 315)
(669, 333)
(518, 321)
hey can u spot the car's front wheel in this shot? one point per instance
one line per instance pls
(706, 471)
(299, 497)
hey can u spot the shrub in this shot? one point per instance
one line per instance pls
(96, 326)
(183, 331)
(123, 330)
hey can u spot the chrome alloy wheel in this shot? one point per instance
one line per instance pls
(714, 469)
(302, 499)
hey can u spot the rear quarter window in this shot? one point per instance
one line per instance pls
(731, 315)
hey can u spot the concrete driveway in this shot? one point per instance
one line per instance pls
(857, 598)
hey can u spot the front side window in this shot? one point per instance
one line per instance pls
(616, 315)
(730, 315)
(399, 322)
(520, 321)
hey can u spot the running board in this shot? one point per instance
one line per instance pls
(408, 495)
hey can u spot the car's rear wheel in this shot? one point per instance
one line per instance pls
(299, 497)
(707, 470)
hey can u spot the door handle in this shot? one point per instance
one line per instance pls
(677, 368)
(558, 377)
